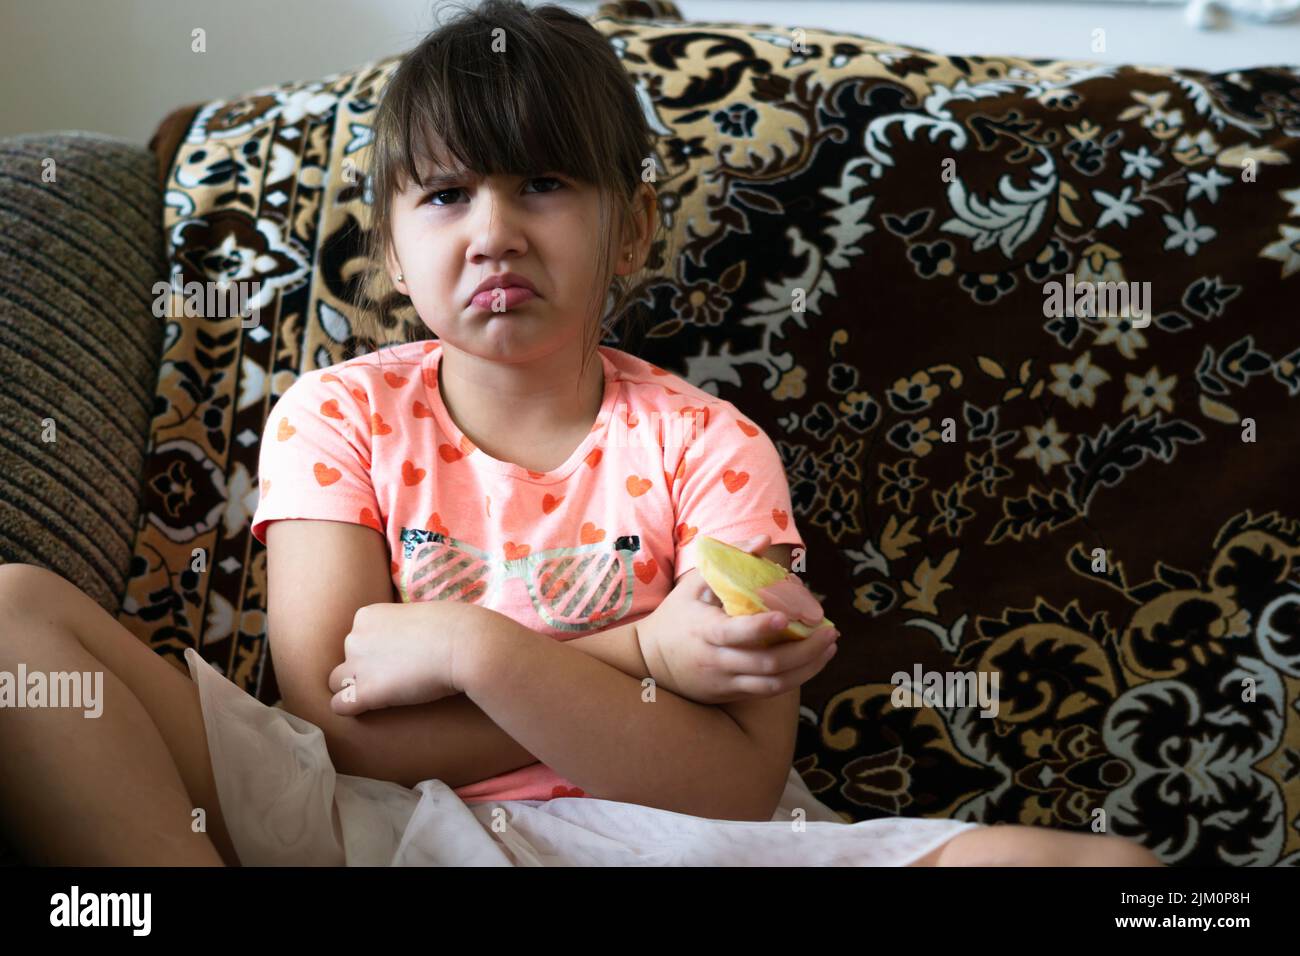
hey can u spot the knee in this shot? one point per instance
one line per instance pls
(26, 589)
(1122, 851)
(990, 845)
(1086, 849)
(22, 584)
(1017, 845)
(1004, 844)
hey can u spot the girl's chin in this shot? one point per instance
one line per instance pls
(515, 341)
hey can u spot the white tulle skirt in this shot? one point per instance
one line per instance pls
(285, 805)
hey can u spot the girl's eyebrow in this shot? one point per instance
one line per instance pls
(440, 178)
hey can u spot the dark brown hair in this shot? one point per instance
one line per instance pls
(556, 99)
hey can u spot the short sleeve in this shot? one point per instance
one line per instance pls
(314, 461)
(733, 487)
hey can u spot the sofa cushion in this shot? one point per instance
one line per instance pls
(81, 239)
(1099, 511)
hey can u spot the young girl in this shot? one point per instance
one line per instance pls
(485, 619)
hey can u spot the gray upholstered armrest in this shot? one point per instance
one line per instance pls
(79, 345)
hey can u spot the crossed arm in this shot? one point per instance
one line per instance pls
(593, 724)
(577, 705)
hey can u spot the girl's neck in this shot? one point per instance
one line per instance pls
(529, 414)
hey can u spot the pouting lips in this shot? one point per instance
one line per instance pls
(502, 299)
(503, 280)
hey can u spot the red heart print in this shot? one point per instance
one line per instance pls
(734, 480)
(410, 474)
(325, 475)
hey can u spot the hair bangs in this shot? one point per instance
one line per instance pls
(496, 114)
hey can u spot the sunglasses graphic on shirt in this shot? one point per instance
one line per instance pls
(571, 589)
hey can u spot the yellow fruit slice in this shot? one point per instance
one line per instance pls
(736, 576)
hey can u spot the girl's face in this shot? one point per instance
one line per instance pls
(459, 230)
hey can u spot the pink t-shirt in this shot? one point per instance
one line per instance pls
(597, 542)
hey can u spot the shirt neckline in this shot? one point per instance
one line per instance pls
(462, 443)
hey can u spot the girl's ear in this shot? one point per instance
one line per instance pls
(645, 219)
(394, 270)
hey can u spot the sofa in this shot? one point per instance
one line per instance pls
(882, 255)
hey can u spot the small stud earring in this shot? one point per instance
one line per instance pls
(399, 277)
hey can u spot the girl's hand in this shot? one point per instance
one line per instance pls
(398, 654)
(696, 650)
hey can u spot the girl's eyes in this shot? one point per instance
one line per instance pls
(455, 189)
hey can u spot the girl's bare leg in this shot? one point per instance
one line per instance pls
(1010, 845)
(118, 789)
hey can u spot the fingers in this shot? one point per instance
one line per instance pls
(752, 630)
(782, 660)
(343, 683)
(770, 686)
(345, 702)
(341, 673)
